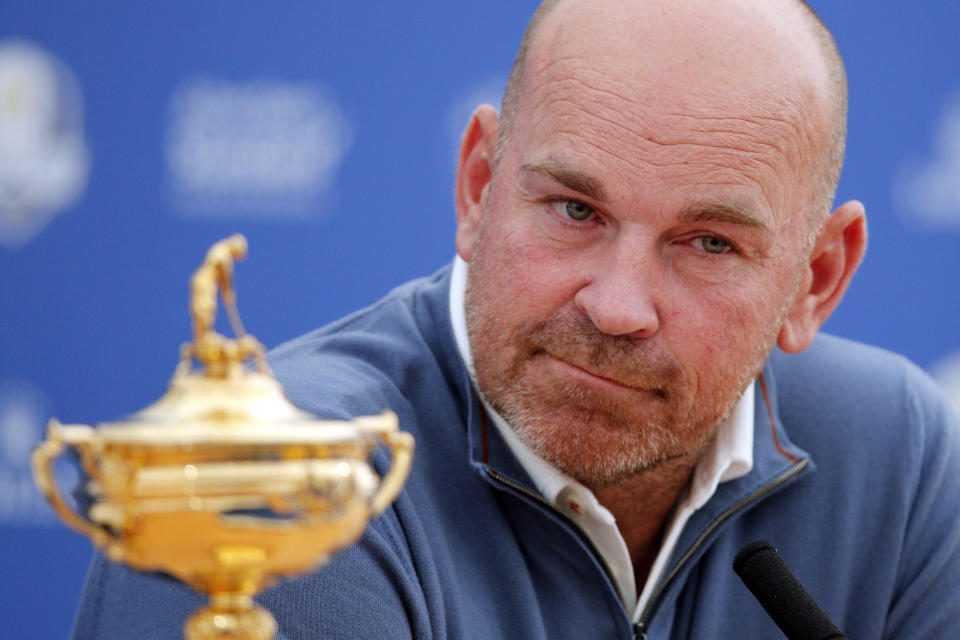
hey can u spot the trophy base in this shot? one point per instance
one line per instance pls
(231, 618)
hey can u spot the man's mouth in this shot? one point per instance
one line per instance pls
(594, 376)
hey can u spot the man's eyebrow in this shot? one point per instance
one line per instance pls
(722, 211)
(572, 179)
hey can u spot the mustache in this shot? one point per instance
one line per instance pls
(570, 336)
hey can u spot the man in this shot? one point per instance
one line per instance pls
(618, 384)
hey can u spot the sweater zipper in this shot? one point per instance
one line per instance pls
(640, 627)
(571, 525)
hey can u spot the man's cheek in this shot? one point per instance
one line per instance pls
(538, 277)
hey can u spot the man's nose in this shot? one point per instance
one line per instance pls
(619, 297)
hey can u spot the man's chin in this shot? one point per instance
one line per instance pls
(595, 465)
(594, 453)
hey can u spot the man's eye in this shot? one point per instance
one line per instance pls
(712, 244)
(573, 209)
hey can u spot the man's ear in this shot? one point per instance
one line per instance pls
(835, 257)
(474, 171)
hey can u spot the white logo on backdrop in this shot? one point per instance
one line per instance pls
(44, 161)
(928, 190)
(460, 108)
(264, 148)
(22, 412)
(947, 373)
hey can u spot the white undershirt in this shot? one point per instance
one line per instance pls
(729, 456)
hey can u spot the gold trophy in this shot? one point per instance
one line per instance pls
(223, 483)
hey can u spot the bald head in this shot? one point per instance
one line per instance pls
(784, 38)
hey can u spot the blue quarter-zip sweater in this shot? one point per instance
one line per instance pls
(862, 499)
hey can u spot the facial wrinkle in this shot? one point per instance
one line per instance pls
(593, 102)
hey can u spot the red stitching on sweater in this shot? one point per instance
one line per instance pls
(773, 422)
(483, 437)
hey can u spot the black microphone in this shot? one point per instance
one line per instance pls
(766, 574)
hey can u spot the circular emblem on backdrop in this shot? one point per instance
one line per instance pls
(23, 408)
(44, 161)
(927, 188)
(947, 373)
(461, 105)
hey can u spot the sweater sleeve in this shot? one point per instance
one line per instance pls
(926, 601)
(365, 591)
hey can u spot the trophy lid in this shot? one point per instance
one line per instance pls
(225, 402)
(250, 409)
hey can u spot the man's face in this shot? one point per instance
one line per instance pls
(641, 240)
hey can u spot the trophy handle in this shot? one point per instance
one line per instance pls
(46, 453)
(400, 444)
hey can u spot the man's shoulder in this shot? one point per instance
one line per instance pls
(835, 366)
(842, 360)
(349, 366)
(396, 311)
(843, 391)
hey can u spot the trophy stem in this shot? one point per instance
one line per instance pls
(231, 617)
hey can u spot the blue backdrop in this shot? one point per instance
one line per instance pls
(132, 136)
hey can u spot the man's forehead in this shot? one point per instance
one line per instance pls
(640, 147)
(630, 47)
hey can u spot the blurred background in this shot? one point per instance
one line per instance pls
(133, 135)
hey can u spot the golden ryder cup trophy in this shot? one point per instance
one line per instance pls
(223, 483)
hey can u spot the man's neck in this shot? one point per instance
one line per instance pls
(643, 503)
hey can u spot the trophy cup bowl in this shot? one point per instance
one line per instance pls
(223, 483)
